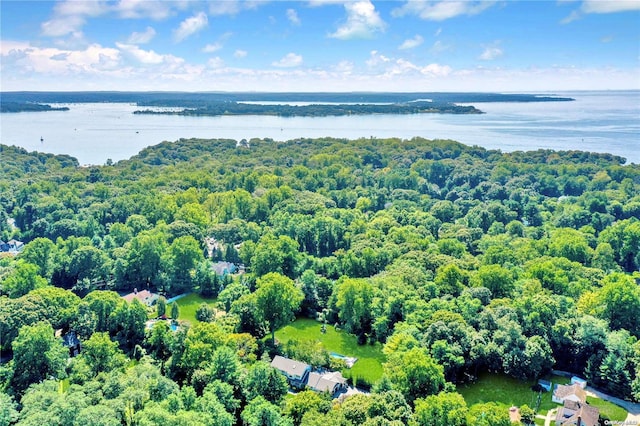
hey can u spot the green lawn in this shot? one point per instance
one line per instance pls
(370, 357)
(507, 391)
(503, 390)
(188, 306)
(608, 409)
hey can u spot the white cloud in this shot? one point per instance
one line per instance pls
(43, 61)
(491, 53)
(26, 67)
(288, 61)
(344, 67)
(325, 2)
(218, 44)
(376, 59)
(439, 47)
(363, 21)
(232, 7)
(213, 47)
(574, 15)
(70, 16)
(140, 55)
(240, 54)
(139, 9)
(60, 56)
(292, 16)
(602, 7)
(609, 6)
(190, 26)
(412, 42)
(142, 38)
(62, 25)
(441, 10)
(216, 62)
(80, 8)
(436, 70)
(149, 57)
(402, 67)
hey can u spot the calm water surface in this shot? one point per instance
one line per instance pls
(93, 133)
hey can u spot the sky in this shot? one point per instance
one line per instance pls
(320, 45)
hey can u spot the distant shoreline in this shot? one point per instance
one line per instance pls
(10, 107)
(318, 104)
(315, 110)
(195, 99)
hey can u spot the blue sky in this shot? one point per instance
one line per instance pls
(320, 45)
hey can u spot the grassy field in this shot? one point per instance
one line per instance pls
(503, 390)
(370, 357)
(608, 409)
(188, 306)
(508, 391)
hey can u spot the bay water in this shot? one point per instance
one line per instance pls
(606, 122)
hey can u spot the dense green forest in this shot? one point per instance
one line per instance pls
(457, 260)
(315, 110)
(28, 107)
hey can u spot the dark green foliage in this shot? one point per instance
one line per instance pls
(205, 313)
(37, 355)
(262, 380)
(458, 259)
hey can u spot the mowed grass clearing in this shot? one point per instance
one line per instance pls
(188, 306)
(503, 390)
(508, 391)
(370, 357)
(608, 409)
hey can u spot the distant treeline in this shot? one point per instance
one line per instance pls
(28, 107)
(316, 110)
(146, 98)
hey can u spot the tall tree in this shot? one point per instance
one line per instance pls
(275, 255)
(22, 279)
(621, 297)
(277, 299)
(414, 374)
(443, 409)
(37, 355)
(40, 252)
(353, 302)
(101, 353)
(262, 380)
(184, 255)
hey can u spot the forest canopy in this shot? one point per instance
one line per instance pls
(454, 260)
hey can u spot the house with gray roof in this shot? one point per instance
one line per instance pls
(330, 381)
(296, 372)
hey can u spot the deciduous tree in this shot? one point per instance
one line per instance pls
(277, 299)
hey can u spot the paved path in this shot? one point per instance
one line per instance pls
(550, 418)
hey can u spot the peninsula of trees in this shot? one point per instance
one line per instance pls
(441, 262)
(28, 107)
(315, 110)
